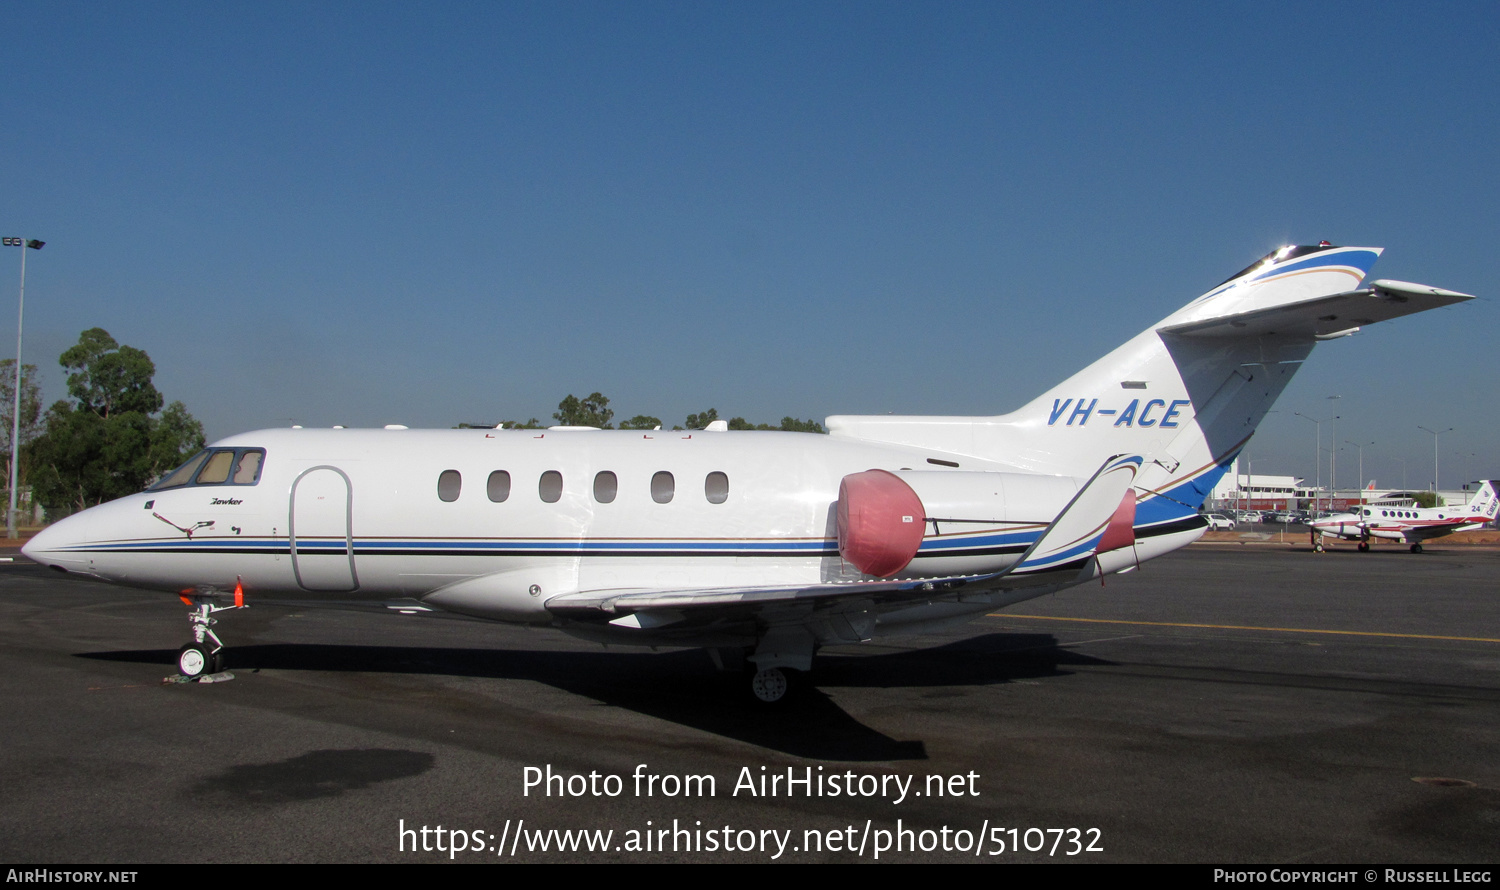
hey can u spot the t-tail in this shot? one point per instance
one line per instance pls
(1188, 392)
(1485, 505)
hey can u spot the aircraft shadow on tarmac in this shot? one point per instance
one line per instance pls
(682, 687)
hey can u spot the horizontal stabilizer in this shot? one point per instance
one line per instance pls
(1325, 316)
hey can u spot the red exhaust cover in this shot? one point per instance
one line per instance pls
(1120, 532)
(880, 522)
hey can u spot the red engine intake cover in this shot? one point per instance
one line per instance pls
(881, 521)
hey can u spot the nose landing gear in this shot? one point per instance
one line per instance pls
(205, 655)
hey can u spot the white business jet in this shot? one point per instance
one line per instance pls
(1409, 525)
(759, 546)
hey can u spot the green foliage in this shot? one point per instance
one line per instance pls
(701, 421)
(595, 411)
(788, 425)
(591, 411)
(108, 443)
(1426, 498)
(793, 425)
(31, 414)
(109, 378)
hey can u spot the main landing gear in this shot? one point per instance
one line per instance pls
(1416, 548)
(1364, 546)
(776, 666)
(205, 655)
(770, 685)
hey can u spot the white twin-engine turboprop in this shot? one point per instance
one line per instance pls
(761, 546)
(1408, 524)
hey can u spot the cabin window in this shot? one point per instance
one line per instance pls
(606, 486)
(449, 483)
(550, 487)
(498, 486)
(716, 487)
(663, 486)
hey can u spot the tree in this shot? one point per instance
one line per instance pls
(641, 422)
(109, 378)
(793, 425)
(108, 442)
(31, 413)
(788, 425)
(701, 421)
(591, 411)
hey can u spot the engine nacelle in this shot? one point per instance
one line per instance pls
(880, 522)
(883, 518)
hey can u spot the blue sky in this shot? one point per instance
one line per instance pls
(370, 213)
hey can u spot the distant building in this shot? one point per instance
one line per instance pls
(1258, 491)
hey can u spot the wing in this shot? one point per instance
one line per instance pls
(1062, 555)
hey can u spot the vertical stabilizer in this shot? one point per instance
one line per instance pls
(1186, 393)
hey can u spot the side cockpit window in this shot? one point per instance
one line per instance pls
(216, 466)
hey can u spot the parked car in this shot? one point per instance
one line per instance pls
(1219, 522)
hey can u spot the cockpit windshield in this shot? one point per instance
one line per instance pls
(216, 466)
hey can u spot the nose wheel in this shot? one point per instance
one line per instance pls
(205, 654)
(197, 659)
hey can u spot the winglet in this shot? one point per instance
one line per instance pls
(1070, 542)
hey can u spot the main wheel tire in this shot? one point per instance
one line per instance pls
(1363, 547)
(194, 660)
(769, 685)
(1416, 548)
(217, 666)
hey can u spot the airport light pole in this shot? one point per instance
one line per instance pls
(1361, 479)
(1435, 434)
(1317, 457)
(1333, 476)
(15, 428)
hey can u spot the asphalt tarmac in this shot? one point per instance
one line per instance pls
(1225, 704)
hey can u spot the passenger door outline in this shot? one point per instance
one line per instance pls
(317, 569)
